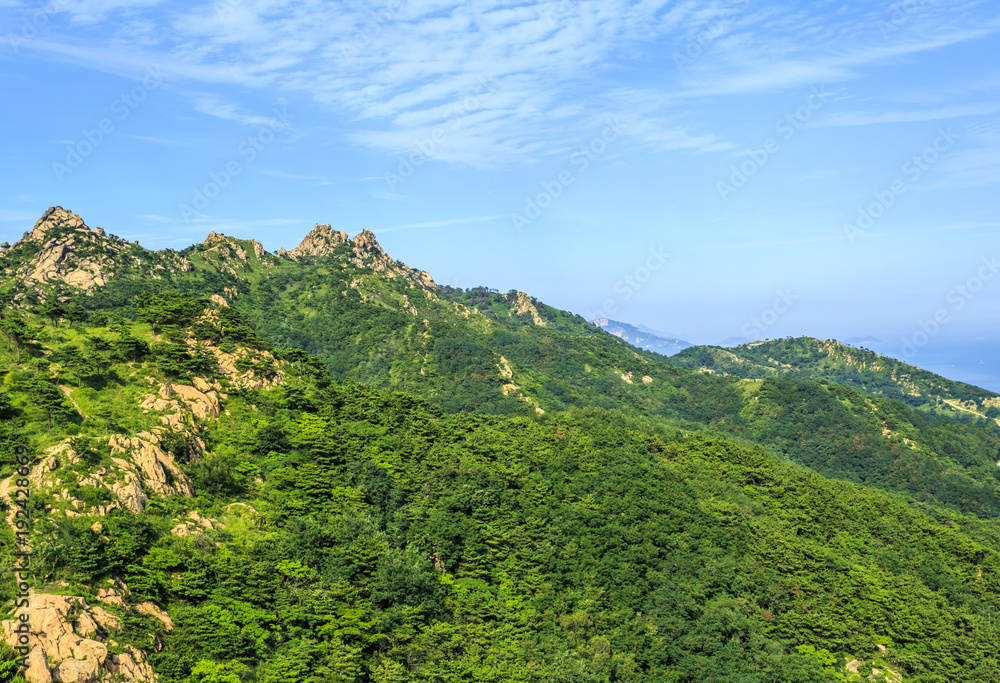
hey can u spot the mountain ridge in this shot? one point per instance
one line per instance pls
(829, 360)
(61, 248)
(249, 466)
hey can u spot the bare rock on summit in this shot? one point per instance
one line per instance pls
(234, 249)
(62, 234)
(320, 241)
(61, 248)
(368, 252)
(55, 216)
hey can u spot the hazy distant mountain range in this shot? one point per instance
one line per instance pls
(643, 337)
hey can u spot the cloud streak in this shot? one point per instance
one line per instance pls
(389, 73)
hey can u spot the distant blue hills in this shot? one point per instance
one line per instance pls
(642, 337)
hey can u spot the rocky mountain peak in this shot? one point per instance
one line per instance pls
(62, 250)
(320, 241)
(366, 240)
(233, 248)
(57, 217)
(366, 252)
(61, 247)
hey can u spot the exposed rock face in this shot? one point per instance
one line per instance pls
(68, 631)
(61, 248)
(131, 666)
(156, 468)
(203, 404)
(155, 611)
(129, 491)
(60, 454)
(509, 388)
(365, 253)
(523, 306)
(56, 215)
(62, 234)
(194, 524)
(115, 593)
(38, 667)
(248, 379)
(234, 250)
(320, 241)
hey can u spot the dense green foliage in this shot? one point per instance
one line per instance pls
(808, 358)
(462, 485)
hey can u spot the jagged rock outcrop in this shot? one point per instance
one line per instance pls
(204, 404)
(115, 593)
(74, 635)
(234, 253)
(130, 666)
(156, 467)
(320, 241)
(70, 251)
(62, 249)
(194, 524)
(232, 246)
(366, 252)
(145, 466)
(153, 610)
(524, 306)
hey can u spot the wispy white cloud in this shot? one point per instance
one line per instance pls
(866, 118)
(976, 163)
(439, 224)
(217, 107)
(158, 141)
(395, 72)
(972, 225)
(318, 180)
(184, 233)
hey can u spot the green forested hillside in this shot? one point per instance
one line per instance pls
(379, 539)
(335, 470)
(808, 358)
(494, 362)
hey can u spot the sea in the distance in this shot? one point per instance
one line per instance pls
(975, 361)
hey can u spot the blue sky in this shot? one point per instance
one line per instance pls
(707, 169)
